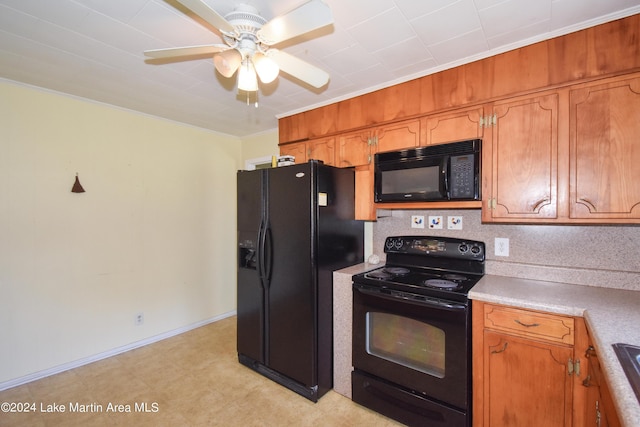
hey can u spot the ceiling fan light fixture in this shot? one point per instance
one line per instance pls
(266, 67)
(227, 62)
(247, 79)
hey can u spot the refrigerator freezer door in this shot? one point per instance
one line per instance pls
(250, 291)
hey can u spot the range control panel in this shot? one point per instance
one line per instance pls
(435, 246)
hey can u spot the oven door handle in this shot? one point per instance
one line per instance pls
(404, 297)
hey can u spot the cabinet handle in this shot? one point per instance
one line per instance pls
(587, 381)
(591, 352)
(501, 350)
(527, 325)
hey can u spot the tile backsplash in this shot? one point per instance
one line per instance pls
(604, 256)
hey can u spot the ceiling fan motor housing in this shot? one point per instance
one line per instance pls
(247, 21)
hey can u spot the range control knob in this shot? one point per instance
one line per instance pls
(463, 248)
(476, 250)
(399, 244)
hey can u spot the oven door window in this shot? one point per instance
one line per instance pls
(407, 342)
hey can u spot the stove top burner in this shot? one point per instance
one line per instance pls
(380, 274)
(455, 277)
(388, 273)
(396, 270)
(441, 284)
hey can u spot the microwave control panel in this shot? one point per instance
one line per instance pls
(462, 180)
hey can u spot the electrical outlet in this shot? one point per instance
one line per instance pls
(502, 246)
(417, 221)
(139, 319)
(435, 222)
(454, 223)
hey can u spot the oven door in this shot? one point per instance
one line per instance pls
(419, 343)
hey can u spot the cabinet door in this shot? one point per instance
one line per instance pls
(365, 208)
(318, 149)
(397, 136)
(599, 407)
(605, 150)
(322, 149)
(298, 150)
(520, 161)
(454, 126)
(354, 149)
(526, 382)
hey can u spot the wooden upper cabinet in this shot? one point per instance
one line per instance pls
(605, 150)
(454, 126)
(358, 148)
(354, 149)
(320, 149)
(323, 149)
(397, 136)
(520, 160)
(297, 150)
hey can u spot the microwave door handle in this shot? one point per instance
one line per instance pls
(444, 182)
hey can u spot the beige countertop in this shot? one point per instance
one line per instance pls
(612, 316)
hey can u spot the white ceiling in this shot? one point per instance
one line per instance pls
(94, 49)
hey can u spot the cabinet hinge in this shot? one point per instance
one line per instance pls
(488, 121)
(491, 204)
(573, 367)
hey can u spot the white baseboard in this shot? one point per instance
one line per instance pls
(94, 358)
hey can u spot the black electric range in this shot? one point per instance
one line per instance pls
(411, 348)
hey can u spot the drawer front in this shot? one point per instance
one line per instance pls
(530, 324)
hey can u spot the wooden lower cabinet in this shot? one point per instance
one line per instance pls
(526, 368)
(599, 406)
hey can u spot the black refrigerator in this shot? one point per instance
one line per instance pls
(295, 227)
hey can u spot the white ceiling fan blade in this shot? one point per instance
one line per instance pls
(185, 51)
(299, 69)
(307, 17)
(211, 16)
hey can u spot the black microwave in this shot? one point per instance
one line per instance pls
(431, 173)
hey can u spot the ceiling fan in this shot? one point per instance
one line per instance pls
(248, 44)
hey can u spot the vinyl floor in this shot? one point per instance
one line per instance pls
(193, 379)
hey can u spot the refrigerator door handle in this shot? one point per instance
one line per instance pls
(268, 256)
(262, 230)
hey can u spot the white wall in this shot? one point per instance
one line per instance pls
(151, 233)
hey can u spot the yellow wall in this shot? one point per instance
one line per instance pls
(261, 145)
(152, 233)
